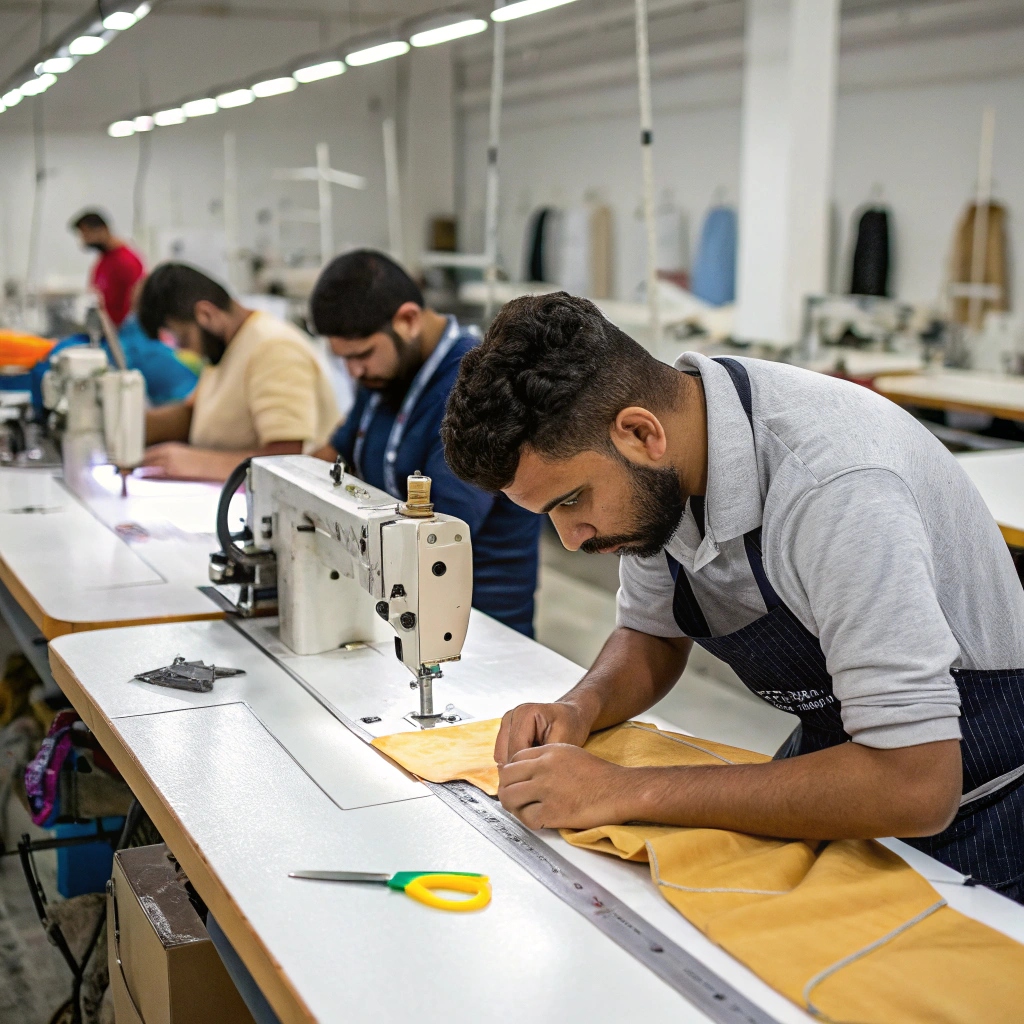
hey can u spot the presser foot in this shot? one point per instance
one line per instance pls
(450, 716)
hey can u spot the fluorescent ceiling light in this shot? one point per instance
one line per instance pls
(165, 117)
(524, 7)
(56, 65)
(446, 33)
(141, 11)
(83, 46)
(273, 87)
(315, 72)
(372, 54)
(12, 98)
(143, 123)
(2, 108)
(34, 86)
(235, 98)
(119, 21)
(121, 129)
(200, 108)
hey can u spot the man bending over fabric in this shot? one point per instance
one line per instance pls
(404, 358)
(263, 393)
(801, 528)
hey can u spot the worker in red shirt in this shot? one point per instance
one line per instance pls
(117, 270)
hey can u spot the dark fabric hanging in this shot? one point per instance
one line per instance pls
(535, 269)
(871, 254)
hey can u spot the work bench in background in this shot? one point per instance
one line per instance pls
(91, 561)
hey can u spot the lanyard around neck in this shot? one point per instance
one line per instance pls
(416, 389)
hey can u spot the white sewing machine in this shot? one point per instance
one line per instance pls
(99, 412)
(347, 562)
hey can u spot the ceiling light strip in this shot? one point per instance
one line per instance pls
(85, 37)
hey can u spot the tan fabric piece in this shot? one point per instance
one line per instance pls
(994, 263)
(269, 386)
(844, 929)
(441, 755)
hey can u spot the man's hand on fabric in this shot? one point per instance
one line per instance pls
(533, 725)
(849, 791)
(563, 786)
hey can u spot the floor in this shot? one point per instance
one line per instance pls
(34, 980)
(575, 614)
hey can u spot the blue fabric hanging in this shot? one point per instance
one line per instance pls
(714, 270)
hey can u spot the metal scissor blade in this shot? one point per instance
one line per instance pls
(343, 876)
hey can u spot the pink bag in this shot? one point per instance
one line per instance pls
(43, 771)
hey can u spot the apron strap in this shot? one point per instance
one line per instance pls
(685, 609)
(752, 546)
(751, 541)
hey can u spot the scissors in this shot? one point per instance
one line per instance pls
(420, 885)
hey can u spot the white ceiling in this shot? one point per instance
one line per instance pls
(188, 46)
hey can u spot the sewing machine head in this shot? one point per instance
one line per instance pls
(351, 564)
(96, 410)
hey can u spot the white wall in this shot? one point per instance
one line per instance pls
(908, 118)
(184, 187)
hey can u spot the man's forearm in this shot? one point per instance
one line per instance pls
(845, 792)
(633, 671)
(168, 423)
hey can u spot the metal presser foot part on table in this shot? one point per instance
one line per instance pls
(344, 563)
(188, 675)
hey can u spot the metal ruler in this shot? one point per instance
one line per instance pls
(655, 950)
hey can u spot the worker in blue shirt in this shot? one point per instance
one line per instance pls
(404, 359)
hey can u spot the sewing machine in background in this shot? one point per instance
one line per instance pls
(98, 412)
(345, 564)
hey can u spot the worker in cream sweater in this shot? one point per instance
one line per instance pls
(263, 392)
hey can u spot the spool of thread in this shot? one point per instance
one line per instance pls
(417, 503)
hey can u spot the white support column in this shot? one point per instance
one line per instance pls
(326, 206)
(428, 149)
(789, 90)
(232, 243)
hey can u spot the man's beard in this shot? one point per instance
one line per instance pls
(394, 389)
(98, 246)
(212, 345)
(657, 506)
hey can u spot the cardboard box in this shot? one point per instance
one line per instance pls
(163, 967)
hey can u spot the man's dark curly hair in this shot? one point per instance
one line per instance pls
(552, 374)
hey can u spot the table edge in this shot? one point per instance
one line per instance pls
(266, 971)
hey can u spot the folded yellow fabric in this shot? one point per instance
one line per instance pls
(467, 751)
(845, 929)
(442, 755)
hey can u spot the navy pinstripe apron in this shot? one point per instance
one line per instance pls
(781, 661)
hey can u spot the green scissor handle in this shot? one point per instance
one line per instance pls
(421, 886)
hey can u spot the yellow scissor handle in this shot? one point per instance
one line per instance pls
(422, 888)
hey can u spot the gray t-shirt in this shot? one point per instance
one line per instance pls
(872, 535)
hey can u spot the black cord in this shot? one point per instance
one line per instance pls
(227, 541)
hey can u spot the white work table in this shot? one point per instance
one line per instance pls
(995, 394)
(999, 476)
(258, 778)
(94, 559)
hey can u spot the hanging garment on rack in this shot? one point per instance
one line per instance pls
(714, 269)
(871, 254)
(600, 286)
(582, 254)
(542, 242)
(994, 268)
